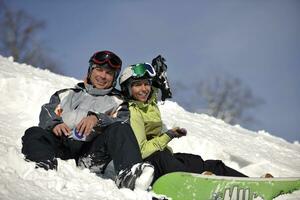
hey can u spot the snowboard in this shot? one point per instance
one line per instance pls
(189, 186)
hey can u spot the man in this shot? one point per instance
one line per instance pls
(78, 124)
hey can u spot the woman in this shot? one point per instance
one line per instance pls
(146, 122)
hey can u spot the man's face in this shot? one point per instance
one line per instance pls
(102, 78)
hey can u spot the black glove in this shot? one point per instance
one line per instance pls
(176, 132)
(160, 81)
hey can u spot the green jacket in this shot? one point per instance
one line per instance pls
(145, 120)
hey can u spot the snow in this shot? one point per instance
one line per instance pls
(25, 88)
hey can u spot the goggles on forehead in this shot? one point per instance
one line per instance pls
(109, 57)
(139, 70)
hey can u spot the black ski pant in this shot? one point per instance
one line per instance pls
(165, 162)
(117, 142)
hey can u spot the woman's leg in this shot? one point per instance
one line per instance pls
(196, 164)
(164, 162)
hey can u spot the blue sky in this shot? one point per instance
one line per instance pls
(256, 41)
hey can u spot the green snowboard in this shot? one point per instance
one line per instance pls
(189, 186)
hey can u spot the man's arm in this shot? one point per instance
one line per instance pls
(120, 115)
(50, 113)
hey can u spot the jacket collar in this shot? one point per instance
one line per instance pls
(92, 90)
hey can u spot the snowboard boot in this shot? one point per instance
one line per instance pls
(47, 164)
(139, 176)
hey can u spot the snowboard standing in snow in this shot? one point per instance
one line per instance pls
(188, 186)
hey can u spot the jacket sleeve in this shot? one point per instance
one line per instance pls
(48, 117)
(152, 145)
(121, 115)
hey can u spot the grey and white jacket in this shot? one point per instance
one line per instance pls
(73, 104)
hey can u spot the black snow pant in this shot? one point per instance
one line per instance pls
(117, 142)
(165, 162)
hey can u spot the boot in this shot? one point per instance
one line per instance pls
(47, 164)
(139, 176)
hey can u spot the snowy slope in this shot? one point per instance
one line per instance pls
(24, 89)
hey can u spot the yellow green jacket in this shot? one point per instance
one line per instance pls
(145, 120)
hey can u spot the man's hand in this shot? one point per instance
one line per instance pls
(86, 125)
(60, 129)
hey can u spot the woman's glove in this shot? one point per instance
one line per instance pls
(176, 132)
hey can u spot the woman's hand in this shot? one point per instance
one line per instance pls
(176, 132)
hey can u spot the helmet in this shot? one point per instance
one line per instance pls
(105, 59)
(135, 72)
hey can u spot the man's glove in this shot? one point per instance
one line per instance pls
(176, 132)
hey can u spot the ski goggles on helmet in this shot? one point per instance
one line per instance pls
(139, 70)
(109, 57)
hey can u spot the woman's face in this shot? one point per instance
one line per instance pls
(140, 90)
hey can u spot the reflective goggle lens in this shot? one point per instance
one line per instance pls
(107, 57)
(140, 70)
